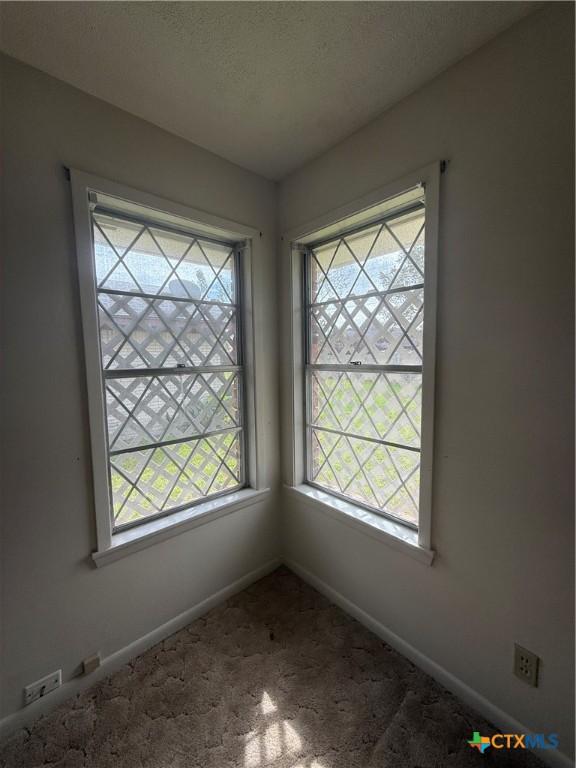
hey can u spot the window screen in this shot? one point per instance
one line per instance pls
(364, 324)
(168, 314)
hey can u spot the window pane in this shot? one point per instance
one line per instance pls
(379, 476)
(156, 480)
(134, 258)
(167, 300)
(151, 409)
(384, 330)
(378, 258)
(137, 332)
(365, 310)
(384, 406)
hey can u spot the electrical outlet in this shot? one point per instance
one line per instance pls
(41, 687)
(526, 665)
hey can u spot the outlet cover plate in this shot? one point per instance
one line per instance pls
(42, 687)
(526, 665)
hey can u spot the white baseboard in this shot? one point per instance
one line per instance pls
(476, 701)
(110, 664)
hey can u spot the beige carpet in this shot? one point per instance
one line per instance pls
(276, 676)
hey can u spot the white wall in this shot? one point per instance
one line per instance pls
(502, 507)
(57, 608)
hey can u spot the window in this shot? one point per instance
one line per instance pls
(364, 317)
(162, 314)
(169, 346)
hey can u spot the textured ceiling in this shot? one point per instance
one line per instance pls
(268, 85)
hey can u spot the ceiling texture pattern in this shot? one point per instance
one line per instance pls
(267, 85)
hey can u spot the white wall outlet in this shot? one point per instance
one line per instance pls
(526, 665)
(41, 687)
(91, 664)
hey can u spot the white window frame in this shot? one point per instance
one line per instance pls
(112, 545)
(417, 543)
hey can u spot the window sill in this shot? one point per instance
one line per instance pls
(395, 535)
(145, 535)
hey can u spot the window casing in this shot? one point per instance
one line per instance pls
(364, 329)
(172, 416)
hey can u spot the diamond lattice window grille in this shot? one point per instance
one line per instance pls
(365, 317)
(169, 343)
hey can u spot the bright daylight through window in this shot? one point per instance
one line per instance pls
(364, 319)
(170, 357)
